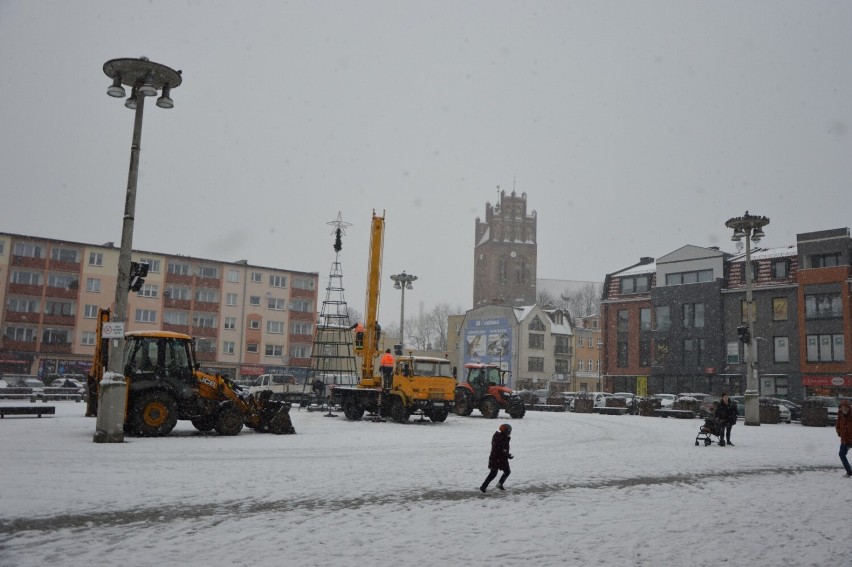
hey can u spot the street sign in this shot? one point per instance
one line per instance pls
(114, 330)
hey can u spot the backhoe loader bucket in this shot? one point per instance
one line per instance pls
(273, 416)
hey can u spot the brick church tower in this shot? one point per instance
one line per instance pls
(505, 253)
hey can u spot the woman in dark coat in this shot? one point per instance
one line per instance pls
(726, 414)
(498, 460)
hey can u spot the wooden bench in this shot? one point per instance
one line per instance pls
(681, 414)
(15, 393)
(27, 410)
(610, 410)
(546, 407)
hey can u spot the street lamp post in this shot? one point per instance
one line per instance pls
(750, 227)
(402, 282)
(144, 78)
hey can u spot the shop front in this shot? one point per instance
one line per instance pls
(827, 385)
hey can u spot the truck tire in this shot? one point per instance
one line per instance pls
(517, 411)
(154, 414)
(351, 410)
(230, 421)
(489, 408)
(205, 423)
(438, 416)
(464, 402)
(398, 412)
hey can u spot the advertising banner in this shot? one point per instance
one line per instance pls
(488, 341)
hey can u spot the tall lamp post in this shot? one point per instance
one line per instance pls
(144, 78)
(750, 227)
(402, 282)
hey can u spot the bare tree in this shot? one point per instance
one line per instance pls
(584, 301)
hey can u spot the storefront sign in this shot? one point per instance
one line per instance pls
(836, 381)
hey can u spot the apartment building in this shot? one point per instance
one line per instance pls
(247, 320)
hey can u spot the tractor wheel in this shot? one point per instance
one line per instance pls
(517, 411)
(230, 421)
(352, 410)
(205, 423)
(464, 403)
(489, 408)
(398, 412)
(439, 416)
(154, 414)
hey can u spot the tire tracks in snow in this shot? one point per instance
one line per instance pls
(234, 510)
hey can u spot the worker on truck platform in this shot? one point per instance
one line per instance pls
(359, 335)
(386, 367)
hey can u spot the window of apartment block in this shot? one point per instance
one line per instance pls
(228, 347)
(535, 364)
(562, 344)
(178, 292)
(153, 265)
(277, 303)
(62, 281)
(90, 311)
(301, 328)
(562, 367)
(645, 352)
(780, 269)
(644, 319)
(621, 354)
(179, 268)
(230, 323)
(779, 308)
(660, 352)
(206, 295)
(275, 326)
(303, 283)
(782, 349)
(256, 277)
(211, 272)
(635, 284)
(58, 308)
(680, 278)
(536, 340)
(581, 365)
(146, 316)
(623, 321)
(96, 259)
(536, 324)
(20, 334)
(27, 249)
(172, 317)
(274, 350)
(251, 347)
(825, 260)
(205, 345)
(87, 338)
(823, 306)
(233, 276)
(204, 320)
(26, 278)
(693, 353)
(93, 285)
(693, 315)
(63, 254)
(148, 290)
(300, 351)
(826, 348)
(230, 298)
(254, 300)
(23, 305)
(277, 281)
(56, 336)
(302, 305)
(254, 324)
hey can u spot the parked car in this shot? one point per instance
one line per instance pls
(666, 400)
(795, 409)
(598, 397)
(69, 383)
(708, 406)
(826, 401)
(38, 388)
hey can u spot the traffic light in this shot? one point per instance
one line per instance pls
(745, 336)
(138, 273)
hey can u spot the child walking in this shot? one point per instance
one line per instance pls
(498, 460)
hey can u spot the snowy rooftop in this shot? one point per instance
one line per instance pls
(768, 253)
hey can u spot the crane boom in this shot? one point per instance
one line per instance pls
(374, 275)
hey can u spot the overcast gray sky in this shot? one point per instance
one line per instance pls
(634, 128)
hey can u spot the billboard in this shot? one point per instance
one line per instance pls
(488, 341)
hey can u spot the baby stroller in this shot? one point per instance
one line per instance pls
(712, 428)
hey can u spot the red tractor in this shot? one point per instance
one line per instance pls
(484, 389)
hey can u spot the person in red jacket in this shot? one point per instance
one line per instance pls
(498, 460)
(844, 430)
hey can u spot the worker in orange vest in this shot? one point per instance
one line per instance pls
(386, 367)
(359, 335)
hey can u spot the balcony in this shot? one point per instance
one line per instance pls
(170, 303)
(25, 289)
(63, 320)
(207, 332)
(303, 362)
(302, 315)
(64, 266)
(178, 279)
(10, 345)
(29, 262)
(184, 329)
(213, 283)
(22, 317)
(206, 306)
(55, 348)
(306, 293)
(206, 356)
(61, 292)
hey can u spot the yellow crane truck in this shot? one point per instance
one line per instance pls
(165, 384)
(421, 383)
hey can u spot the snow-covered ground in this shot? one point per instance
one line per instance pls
(585, 490)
